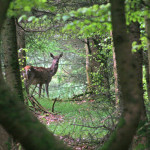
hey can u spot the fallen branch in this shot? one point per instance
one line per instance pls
(36, 104)
(103, 126)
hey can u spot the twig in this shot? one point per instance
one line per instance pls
(108, 117)
(54, 104)
(103, 126)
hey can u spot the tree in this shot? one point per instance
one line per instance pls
(127, 74)
(9, 43)
(134, 29)
(147, 26)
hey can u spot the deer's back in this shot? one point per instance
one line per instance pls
(39, 75)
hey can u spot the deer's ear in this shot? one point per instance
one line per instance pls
(61, 55)
(51, 55)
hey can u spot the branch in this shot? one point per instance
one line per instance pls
(39, 30)
(103, 126)
(39, 13)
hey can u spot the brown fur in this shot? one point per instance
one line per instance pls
(40, 75)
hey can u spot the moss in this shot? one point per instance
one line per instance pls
(113, 136)
(109, 142)
(121, 122)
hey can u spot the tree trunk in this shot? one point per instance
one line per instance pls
(88, 66)
(100, 66)
(4, 139)
(129, 87)
(147, 25)
(134, 29)
(3, 9)
(117, 93)
(9, 43)
(96, 68)
(20, 46)
(116, 78)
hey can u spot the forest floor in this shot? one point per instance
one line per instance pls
(80, 124)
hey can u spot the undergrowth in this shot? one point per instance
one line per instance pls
(81, 120)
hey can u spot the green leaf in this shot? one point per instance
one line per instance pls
(27, 8)
(31, 18)
(22, 17)
(65, 17)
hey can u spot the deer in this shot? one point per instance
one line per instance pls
(40, 75)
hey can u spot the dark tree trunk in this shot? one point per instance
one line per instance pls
(3, 9)
(4, 139)
(128, 81)
(9, 43)
(134, 29)
(147, 61)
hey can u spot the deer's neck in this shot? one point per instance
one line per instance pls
(54, 68)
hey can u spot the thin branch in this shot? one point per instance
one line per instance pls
(39, 30)
(103, 126)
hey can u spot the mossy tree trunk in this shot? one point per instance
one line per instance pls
(96, 67)
(9, 43)
(128, 81)
(20, 46)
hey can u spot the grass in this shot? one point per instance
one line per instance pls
(81, 119)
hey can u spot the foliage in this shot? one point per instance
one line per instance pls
(18, 7)
(87, 22)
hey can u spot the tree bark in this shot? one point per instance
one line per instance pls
(3, 9)
(147, 26)
(20, 46)
(88, 66)
(134, 29)
(129, 87)
(116, 78)
(9, 43)
(4, 139)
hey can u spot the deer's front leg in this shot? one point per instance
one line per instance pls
(40, 87)
(46, 86)
(27, 85)
(28, 82)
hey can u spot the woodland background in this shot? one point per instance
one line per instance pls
(99, 98)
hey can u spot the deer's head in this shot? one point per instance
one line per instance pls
(56, 58)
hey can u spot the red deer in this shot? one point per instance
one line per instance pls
(40, 75)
